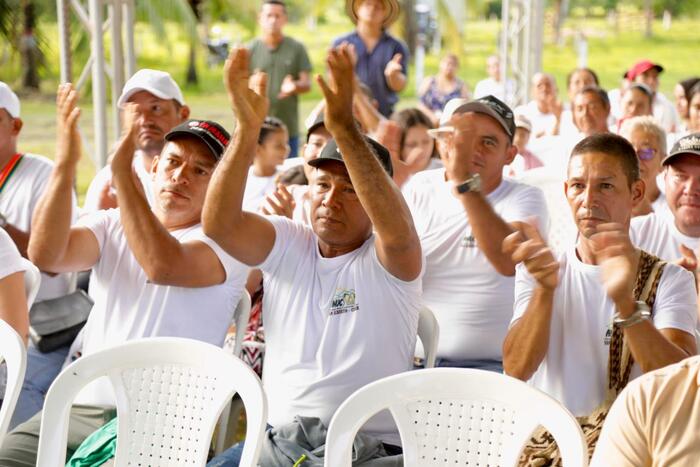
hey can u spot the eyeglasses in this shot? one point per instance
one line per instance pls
(646, 154)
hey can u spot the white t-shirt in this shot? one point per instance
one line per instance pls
(665, 113)
(472, 302)
(302, 208)
(10, 259)
(495, 88)
(17, 202)
(332, 325)
(104, 176)
(541, 122)
(128, 306)
(659, 236)
(574, 371)
(256, 189)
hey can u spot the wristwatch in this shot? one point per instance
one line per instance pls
(473, 184)
(3, 221)
(641, 313)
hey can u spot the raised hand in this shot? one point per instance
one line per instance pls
(688, 259)
(527, 246)
(67, 115)
(339, 91)
(280, 202)
(618, 260)
(393, 66)
(460, 152)
(287, 88)
(124, 155)
(247, 94)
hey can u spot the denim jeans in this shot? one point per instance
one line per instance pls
(232, 456)
(42, 369)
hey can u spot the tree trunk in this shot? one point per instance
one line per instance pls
(649, 17)
(192, 77)
(28, 47)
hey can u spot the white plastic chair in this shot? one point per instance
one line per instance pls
(169, 394)
(561, 233)
(32, 282)
(429, 335)
(455, 416)
(240, 317)
(14, 354)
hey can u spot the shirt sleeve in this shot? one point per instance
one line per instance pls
(623, 441)
(100, 224)
(528, 204)
(405, 56)
(10, 259)
(291, 240)
(235, 270)
(676, 300)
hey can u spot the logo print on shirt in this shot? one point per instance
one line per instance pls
(468, 241)
(344, 301)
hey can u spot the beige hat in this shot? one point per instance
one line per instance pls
(392, 7)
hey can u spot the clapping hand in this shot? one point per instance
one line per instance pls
(338, 93)
(67, 115)
(527, 246)
(248, 94)
(618, 260)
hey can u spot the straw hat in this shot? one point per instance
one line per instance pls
(392, 7)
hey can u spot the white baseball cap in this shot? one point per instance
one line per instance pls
(9, 100)
(158, 83)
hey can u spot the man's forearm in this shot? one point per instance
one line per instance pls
(52, 219)
(151, 243)
(227, 186)
(396, 81)
(527, 342)
(489, 230)
(19, 237)
(649, 347)
(378, 195)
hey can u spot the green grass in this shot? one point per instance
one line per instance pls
(610, 53)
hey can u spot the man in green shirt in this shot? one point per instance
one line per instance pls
(287, 66)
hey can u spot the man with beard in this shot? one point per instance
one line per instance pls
(161, 107)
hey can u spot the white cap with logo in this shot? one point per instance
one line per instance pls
(9, 100)
(158, 83)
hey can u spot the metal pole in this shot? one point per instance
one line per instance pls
(98, 84)
(117, 62)
(63, 11)
(130, 55)
(504, 59)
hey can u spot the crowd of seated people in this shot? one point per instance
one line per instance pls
(389, 208)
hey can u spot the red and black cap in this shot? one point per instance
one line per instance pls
(210, 133)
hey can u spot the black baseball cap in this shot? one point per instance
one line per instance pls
(689, 144)
(330, 152)
(210, 133)
(317, 123)
(489, 105)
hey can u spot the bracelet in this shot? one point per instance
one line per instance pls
(641, 313)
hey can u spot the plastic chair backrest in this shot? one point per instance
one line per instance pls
(14, 354)
(32, 282)
(455, 416)
(429, 335)
(562, 232)
(169, 394)
(240, 317)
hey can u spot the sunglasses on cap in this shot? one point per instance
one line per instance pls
(646, 154)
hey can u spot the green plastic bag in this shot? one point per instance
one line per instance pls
(97, 448)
